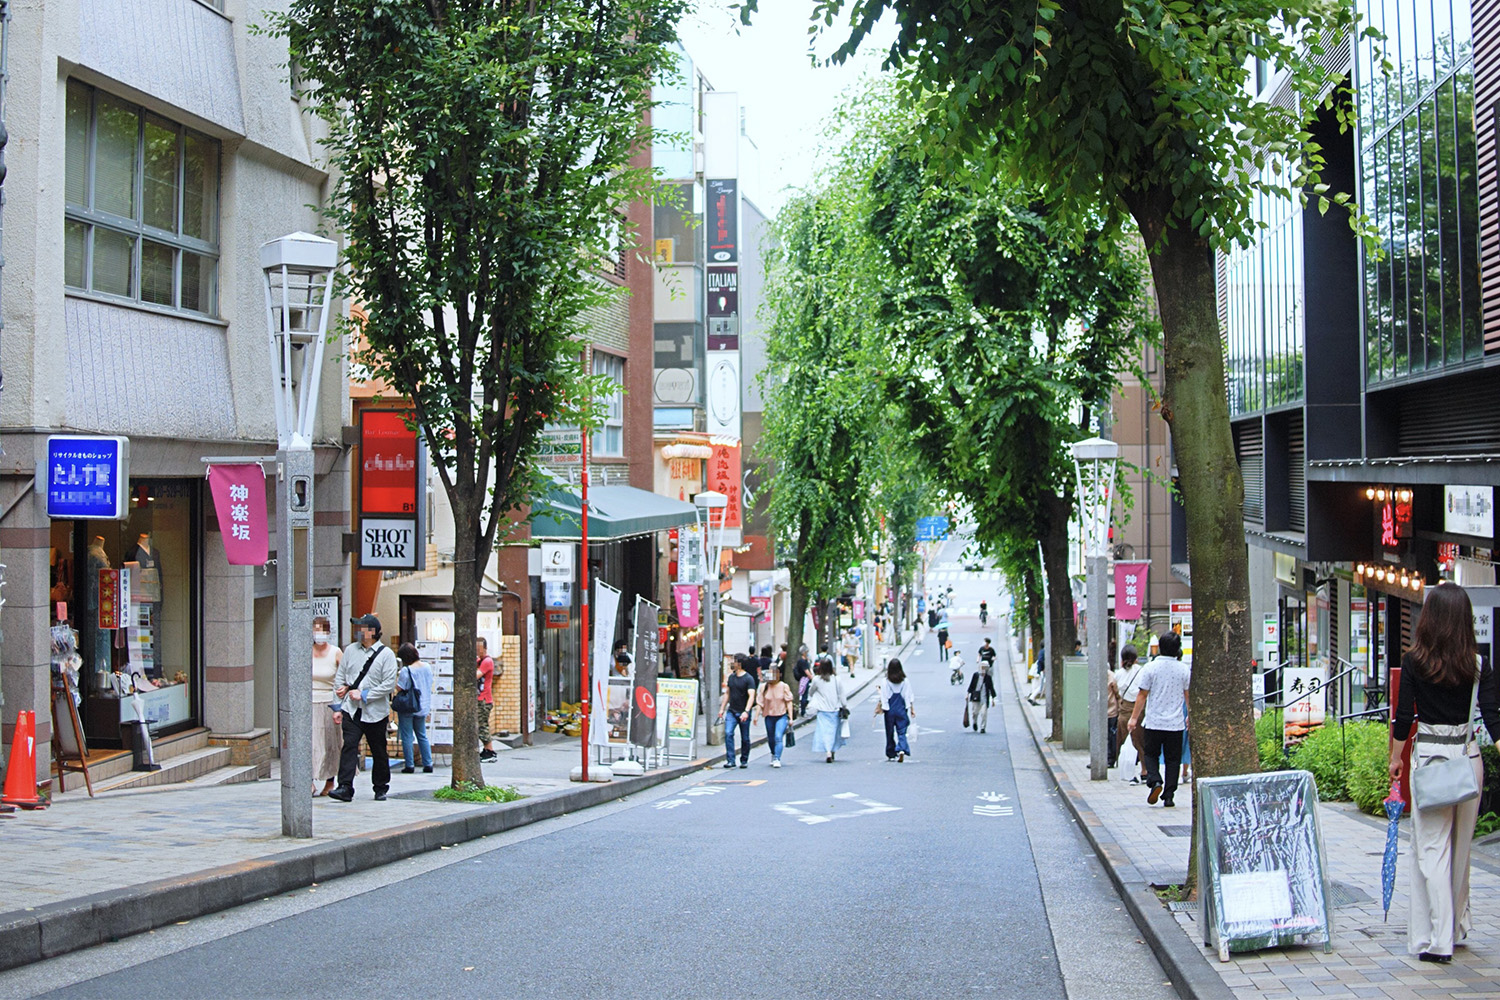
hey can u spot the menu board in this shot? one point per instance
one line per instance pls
(1262, 876)
(439, 656)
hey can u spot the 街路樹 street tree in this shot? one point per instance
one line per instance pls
(1142, 106)
(481, 152)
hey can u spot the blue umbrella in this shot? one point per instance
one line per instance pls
(1393, 809)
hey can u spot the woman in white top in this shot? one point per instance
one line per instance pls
(897, 704)
(328, 742)
(826, 698)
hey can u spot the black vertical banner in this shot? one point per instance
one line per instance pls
(723, 220)
(647, 662)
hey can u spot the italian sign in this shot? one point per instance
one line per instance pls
(240, 501)
(88, 477)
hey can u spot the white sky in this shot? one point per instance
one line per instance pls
(785, 97)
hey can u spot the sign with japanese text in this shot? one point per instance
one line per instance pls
(388, 481)
(932, 529)
(88, 477)
(1483, 624)
(557, 561)
(681, 698)
(723, 220)
(1469, 510)
(763, 605)
(647, 664)
(687, 599)
(1130, 589)
(240, 501)
(109, 598)
(724, 477)
(1394, 524)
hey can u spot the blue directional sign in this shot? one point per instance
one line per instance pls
(88, 477)
(932, 529)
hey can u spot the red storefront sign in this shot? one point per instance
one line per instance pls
(387, 463)
(240, 501)
(724, 477)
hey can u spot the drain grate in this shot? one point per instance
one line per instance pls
(1339, 894)
(1172, 830)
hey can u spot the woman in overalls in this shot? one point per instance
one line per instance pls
(897, 704)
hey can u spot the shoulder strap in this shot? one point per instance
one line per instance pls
(1474, 697)
(366, 669)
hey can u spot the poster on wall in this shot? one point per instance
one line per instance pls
(647, 665)
(1180, 620)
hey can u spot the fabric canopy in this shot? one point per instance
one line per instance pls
(615, 512)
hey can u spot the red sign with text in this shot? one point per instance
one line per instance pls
(724, 477)
(109, 598)
(387, 463)
(240, 501)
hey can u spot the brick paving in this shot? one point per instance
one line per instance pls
(1369, 956)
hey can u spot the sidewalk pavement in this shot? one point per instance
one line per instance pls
(1145, 845)
(87, 870)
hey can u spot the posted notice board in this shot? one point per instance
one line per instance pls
(1262, 878)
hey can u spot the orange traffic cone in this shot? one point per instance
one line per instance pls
(20, 776)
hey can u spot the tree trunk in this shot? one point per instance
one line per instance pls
(467, 510)
(1197, 411)
(1059, 600)
(796, 616)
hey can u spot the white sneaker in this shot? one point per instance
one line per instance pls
(775, 763)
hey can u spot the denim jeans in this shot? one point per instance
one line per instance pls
(407, 725)
(775, 733)
(731, 723)
(895, 734)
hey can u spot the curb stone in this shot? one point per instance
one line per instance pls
(1185, 965)
(33, 934)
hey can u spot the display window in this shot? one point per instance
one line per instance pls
(137, 629)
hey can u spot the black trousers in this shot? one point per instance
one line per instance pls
(942, 645)
(372, 733)
(1114, 740)
(1154, 744)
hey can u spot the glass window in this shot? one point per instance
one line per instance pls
(609, 440)
(1467, 249)
(130, 174)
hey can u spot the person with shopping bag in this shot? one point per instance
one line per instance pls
(981, 694)
(1444, 682)
(826, 700)
(895, 701)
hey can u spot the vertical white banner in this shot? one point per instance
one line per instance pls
(528, 664)
(606, 611)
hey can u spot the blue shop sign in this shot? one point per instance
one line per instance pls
(88, 477)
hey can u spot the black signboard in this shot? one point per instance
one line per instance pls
(723, 221)
(647, 664)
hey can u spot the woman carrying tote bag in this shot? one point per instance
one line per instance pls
(1443, 683)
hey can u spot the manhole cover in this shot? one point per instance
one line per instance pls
(1171, 830)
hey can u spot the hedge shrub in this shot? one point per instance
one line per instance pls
(1268, 741)
(1368, 776)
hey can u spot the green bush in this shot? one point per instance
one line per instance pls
(467, 791)
(1322, 753)
(1268, 726)
(1368, 775)
(1268, 741)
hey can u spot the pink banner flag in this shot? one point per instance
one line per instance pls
(1130, 590)
(240, 501)
(686, 596)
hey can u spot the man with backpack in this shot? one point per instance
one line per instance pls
(363, 684)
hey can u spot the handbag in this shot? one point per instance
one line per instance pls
(1448, 782)
(966, 715)
(408, 701)
(791, 737)
(844, 729)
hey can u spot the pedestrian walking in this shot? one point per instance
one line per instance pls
(1443, 683)
(328, 740)
(1129, 685)
(363, 682)
(484, 677)
(942, 635)
(1161, 712)
(415, 676)
(774, 699)
(1112, 715)
(735, 705)
(896, 701)
(981, 694)
(802, 677)
(1038, 676)
(827, 700)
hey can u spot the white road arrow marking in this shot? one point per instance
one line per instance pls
(671, 803)
(870, 808)
(994, 811)
(703, 791)
(994, 797)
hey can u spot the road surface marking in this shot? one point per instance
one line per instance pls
(994, 797)
(671, 803)
(870, 808)
(994, 810)
(703, 791)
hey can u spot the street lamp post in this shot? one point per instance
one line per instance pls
(713, 658)
(1094, 464)
(867, 578)
(297, 272)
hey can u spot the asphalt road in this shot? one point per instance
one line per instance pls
(955, 874)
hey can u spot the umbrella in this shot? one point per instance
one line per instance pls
(1393, 809)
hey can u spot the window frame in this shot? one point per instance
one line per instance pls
(136, 229)
(612, 365)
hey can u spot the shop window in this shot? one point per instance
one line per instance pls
(147, 665)
(142, 213)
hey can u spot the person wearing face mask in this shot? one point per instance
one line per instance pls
(327, 740)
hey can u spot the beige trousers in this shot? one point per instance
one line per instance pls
(1441, 836)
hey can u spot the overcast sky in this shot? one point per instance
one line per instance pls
(785, 97)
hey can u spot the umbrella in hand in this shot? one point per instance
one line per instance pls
(1393, 809)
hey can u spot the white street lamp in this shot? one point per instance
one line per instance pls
(297, 272)
(709, 501)
(1094, 464)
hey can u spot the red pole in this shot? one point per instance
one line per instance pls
(583, 585)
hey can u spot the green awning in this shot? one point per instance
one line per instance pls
(614, 512)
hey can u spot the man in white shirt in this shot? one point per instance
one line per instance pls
(1161, 715)
(363, 683)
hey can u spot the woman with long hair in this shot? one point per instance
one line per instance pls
(774, 701)
(1442, 681)
(897, 704)
(826, 698)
